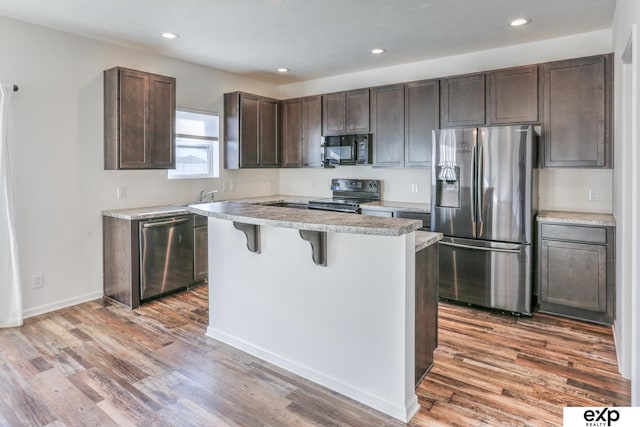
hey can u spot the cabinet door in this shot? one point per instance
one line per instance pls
(249, 131)
(387, 123)
(422, 116)
(573, 275)
(269, 152)
(358, 111)
(200, 254)
(334, 118)
(311, 131)
(292, 133)
(512, 95)
(133, 115)
(577, 113)
(462, 100)
(162, 112)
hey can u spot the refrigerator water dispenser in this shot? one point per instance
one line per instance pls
(447, 192)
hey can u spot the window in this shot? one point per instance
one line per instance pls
(197, 146)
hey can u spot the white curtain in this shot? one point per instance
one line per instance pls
(10, 287)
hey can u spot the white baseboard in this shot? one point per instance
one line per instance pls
(400, 412)
(57, 305)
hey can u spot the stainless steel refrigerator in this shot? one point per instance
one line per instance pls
(484, 199)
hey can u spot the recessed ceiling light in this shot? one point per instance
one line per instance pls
(519, 22)
(377, 51)
(283, 70)
(170, 35)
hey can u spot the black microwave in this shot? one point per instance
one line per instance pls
(346, 150)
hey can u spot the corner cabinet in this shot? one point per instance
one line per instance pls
(576, 271)
(139, 120)
(345, 112)
(250, 131)
(301, 137)
(578, 111)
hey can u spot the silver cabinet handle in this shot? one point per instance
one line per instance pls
(164, 223)
(480, 248)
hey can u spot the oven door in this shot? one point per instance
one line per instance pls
(334, 206)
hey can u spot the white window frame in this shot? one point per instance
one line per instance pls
(210, 142)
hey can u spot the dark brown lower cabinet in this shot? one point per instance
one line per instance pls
(426, 309)
(576, 271)
(121, 260)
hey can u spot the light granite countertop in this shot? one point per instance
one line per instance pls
(277, 198)
(579, 218)
(147, 212)
(181, 209)
(378, 205)
(303, 219)
(426, 238)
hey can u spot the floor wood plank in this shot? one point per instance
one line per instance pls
(100, 363)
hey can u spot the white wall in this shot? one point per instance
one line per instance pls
(57, 154)
(559, 189)
(311, 320)
(627, 197)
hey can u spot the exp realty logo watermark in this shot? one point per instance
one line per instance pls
(601, 417)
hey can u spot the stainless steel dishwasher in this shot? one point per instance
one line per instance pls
(166, 255)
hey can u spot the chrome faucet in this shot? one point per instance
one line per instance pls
(204, 195)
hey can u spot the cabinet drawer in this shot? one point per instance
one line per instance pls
(574, 233)
(423, 216)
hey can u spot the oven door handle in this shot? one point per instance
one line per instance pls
(321, 208)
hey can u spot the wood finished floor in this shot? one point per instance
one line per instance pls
(99, 364)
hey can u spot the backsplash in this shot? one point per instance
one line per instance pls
(559, 189)
(397, 184)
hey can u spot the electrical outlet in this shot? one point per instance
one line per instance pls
(121, 193)
(37, 281)
(414, 188)
(593, 195)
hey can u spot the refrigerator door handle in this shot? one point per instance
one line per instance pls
(480, 248)
(480, 177)
(474, 165)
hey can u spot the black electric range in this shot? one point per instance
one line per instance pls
(348, 194)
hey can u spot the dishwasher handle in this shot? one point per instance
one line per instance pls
(172, 222)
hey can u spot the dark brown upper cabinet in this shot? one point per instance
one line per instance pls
(291, 133)
(422, 116)
(301, 132)
(268, 137)
(462, 100)
(512, 95)
(311, 131)
(387, 125)
(139, 120)
(578, 112)
(345, 112)
(250, 131)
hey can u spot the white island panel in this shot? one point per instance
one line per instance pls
(349, 326)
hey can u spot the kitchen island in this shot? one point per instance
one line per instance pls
(329, 296)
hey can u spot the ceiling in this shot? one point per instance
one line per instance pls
(313, 38)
